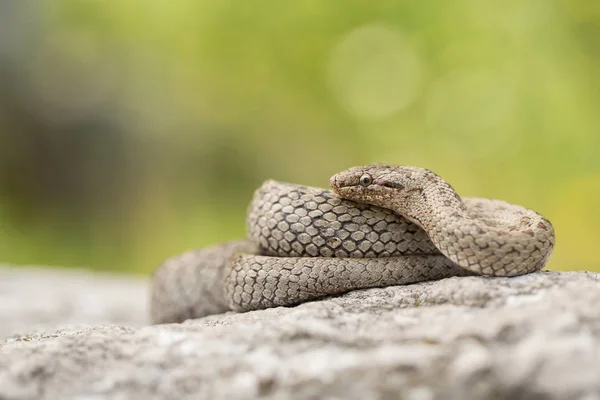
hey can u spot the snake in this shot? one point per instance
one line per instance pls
(380, 225)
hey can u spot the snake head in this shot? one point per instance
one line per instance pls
(391, 186)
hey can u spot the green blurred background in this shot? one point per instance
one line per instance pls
(132, 130)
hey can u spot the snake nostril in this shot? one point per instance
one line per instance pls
(332, 181)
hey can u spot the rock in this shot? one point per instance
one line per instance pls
(535, 336)
(34, 298)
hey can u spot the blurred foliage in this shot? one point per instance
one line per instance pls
(130, 131)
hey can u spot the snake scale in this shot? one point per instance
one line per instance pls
(381, 225)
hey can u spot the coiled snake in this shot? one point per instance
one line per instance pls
(382, 225)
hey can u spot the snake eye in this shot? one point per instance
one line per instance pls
(366, 180)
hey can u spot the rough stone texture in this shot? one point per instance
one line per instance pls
(535, 336)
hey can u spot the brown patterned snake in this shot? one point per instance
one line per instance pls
(384, 225)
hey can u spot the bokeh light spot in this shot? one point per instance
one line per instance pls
(374, 72)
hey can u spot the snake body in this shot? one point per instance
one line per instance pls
(381, 225)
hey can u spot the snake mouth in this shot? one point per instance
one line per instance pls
(339, 182)
(338, 191)
(338, 185)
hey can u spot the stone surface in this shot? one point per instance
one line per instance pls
(38, 298)
(535, 336)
